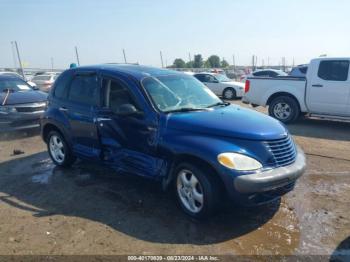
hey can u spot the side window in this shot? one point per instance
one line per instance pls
(84, 90)
(272, 74)
(116, 94)
(60, 88)
(200, 77)
(211, 79)
(260, 73)
(334, 70)
(303, 69)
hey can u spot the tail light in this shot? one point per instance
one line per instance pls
(247, 86)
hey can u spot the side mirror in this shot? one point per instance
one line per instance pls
(128, 110)
(215, 81)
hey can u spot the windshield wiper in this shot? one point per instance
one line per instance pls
(219, 104)
(185, 109)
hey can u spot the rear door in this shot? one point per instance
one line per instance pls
(80, 109)
(328, 88)
(128, 142)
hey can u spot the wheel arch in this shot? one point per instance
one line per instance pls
(279, 94)
(198, 162)
(48, 127)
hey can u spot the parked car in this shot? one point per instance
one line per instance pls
(6, 73)
(44, 82)
(20, 105)
(325, 92)
(221, 85)
(265, 73)
(169, 127)
(299, 71)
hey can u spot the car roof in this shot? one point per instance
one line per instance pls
(137, 71)
(268, 69)
(207, 73)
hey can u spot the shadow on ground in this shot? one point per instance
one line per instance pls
(134, 206)
(318, 128)
(8, 136)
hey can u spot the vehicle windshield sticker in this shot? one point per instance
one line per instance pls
(23, 87)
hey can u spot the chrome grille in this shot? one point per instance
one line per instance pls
(30, 108)
(283, 151)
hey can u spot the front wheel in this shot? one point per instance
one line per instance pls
(197, 193)
(284, 108)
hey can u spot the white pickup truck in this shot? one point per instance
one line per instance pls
(325, 92)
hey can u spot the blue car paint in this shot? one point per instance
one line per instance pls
(148, 145)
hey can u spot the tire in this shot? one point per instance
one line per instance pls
(229, 93)
(205, 188)
(285, 109)
(59, 150)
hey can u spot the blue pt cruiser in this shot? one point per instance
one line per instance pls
(169, 127)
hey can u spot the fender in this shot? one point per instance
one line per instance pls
(54, 117)
(177, 144)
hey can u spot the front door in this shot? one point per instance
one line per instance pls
(213, 84)
(328, 89)
(128, 141)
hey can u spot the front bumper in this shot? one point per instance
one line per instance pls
(20, 121)
(272, 179)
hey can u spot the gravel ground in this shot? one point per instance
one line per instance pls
(91, 210)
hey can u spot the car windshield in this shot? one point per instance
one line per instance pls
(222, 78)
(179, 93)
(13, 84)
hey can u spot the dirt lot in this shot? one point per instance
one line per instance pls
(91, 210)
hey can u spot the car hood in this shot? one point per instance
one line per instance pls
(230, 121)
(233, 83)
(23, 97)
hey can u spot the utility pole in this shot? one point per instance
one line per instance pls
(233, 62)
(52, 63)
(77, 55)
(189, 57)
(161, 58)
(13, 55)
(124, 56)
(19, 59)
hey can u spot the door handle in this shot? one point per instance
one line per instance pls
(103, 119)
(63, 109)
(317, 85)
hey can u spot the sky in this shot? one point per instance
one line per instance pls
(101, 29)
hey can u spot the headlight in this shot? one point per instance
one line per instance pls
(238, 162)
(7, 109)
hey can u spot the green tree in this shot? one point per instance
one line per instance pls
(198, 61)
(189, 64)
(179, 63)
(224, 63)
(214, 61)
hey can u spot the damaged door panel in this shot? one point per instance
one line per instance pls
(128, 138)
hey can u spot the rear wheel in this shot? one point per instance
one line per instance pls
(197, 193)
(59, 150)
(229, 93)
(284, 108)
